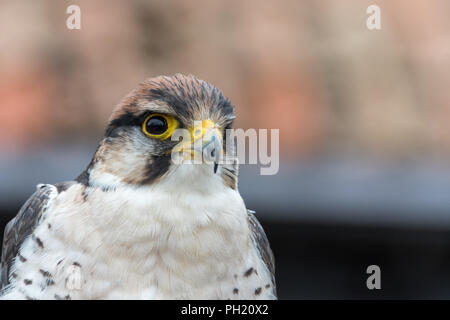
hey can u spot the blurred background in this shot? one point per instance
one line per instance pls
(363, 116)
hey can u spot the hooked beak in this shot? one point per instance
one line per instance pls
(205, 144)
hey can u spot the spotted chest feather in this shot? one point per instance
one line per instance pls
(72, 253)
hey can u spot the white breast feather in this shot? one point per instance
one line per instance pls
(170, 240)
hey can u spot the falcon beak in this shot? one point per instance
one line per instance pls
(212, 147)
(206, 143)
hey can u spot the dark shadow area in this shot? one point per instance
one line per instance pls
(330, 261)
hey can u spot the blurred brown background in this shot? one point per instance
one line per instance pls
(363, 118)
(311, 68)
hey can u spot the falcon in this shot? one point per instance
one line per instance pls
(138, 225)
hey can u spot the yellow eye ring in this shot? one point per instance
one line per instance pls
(159, 126)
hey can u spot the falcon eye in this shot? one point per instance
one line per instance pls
(156, 125)
(159, 126)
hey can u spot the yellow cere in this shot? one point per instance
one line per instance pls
(199, 131)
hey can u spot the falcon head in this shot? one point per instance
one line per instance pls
(166, 119)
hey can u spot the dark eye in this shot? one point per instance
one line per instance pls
(159, 126)
(156, 125)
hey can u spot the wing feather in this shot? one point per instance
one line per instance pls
(20, 227)
(263, 246)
